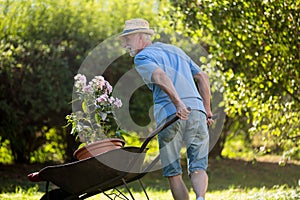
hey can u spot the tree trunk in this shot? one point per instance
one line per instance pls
(19, 153)
(216, 152)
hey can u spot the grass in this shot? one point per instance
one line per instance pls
(277, 193)
(228, 179)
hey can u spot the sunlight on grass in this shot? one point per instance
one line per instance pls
(153, 195)
(276, 193)
(20, 193)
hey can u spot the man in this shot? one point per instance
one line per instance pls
(170, 74)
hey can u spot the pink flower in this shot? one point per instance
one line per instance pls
(102, 98)
(87, 88)
(97, 107)
(118, 103)
(108, 87)
(111, 100)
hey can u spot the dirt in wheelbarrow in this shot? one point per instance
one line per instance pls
(222, 173)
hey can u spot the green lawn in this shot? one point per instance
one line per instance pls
(228, 179)
(277, 193)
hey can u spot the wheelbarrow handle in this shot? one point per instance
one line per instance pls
(159, 129)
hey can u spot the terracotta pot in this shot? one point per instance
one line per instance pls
(99, 147)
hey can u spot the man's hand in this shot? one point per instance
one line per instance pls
(209, 120)
(182, 112)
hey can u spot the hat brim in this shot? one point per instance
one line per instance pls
(129, 32)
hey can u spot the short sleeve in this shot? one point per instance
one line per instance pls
(145, 66)
(195, 69)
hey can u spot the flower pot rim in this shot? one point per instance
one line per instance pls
(108, 139)
(93, 145)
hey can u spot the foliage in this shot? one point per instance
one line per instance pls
(237, 147)
(256, 46)
(91, 122)
(52, 150)
(42, 44)
(35, 59)
(5, 153)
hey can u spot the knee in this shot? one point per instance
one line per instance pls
(199, 174)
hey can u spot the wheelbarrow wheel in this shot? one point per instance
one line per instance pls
(57, 194)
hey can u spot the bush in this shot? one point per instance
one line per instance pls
(42, 44)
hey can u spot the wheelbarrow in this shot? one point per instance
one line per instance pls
(95, 175)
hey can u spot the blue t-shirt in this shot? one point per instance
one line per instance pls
(179, 68)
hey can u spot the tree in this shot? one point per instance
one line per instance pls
(256, 46)
(42, 45)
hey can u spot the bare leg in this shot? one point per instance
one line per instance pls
(178, 188)
(199, 180)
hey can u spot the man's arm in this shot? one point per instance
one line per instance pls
(160, 78)
(202, 80)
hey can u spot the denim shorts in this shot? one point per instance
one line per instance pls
(193, 133)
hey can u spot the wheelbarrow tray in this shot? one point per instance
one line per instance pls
(99, 173)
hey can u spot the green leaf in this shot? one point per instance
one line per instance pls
(84, 106)
(97, 118)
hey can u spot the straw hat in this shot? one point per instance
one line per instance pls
(136, 26)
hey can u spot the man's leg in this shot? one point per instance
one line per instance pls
(178, 188)
(199, 180)
(197, 142)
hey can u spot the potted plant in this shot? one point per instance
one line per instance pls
(91, 123)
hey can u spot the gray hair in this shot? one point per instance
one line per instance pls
(146, 36)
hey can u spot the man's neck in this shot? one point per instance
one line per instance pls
(147, 43)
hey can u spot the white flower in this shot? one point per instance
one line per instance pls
(98, 82)
(80, 81)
